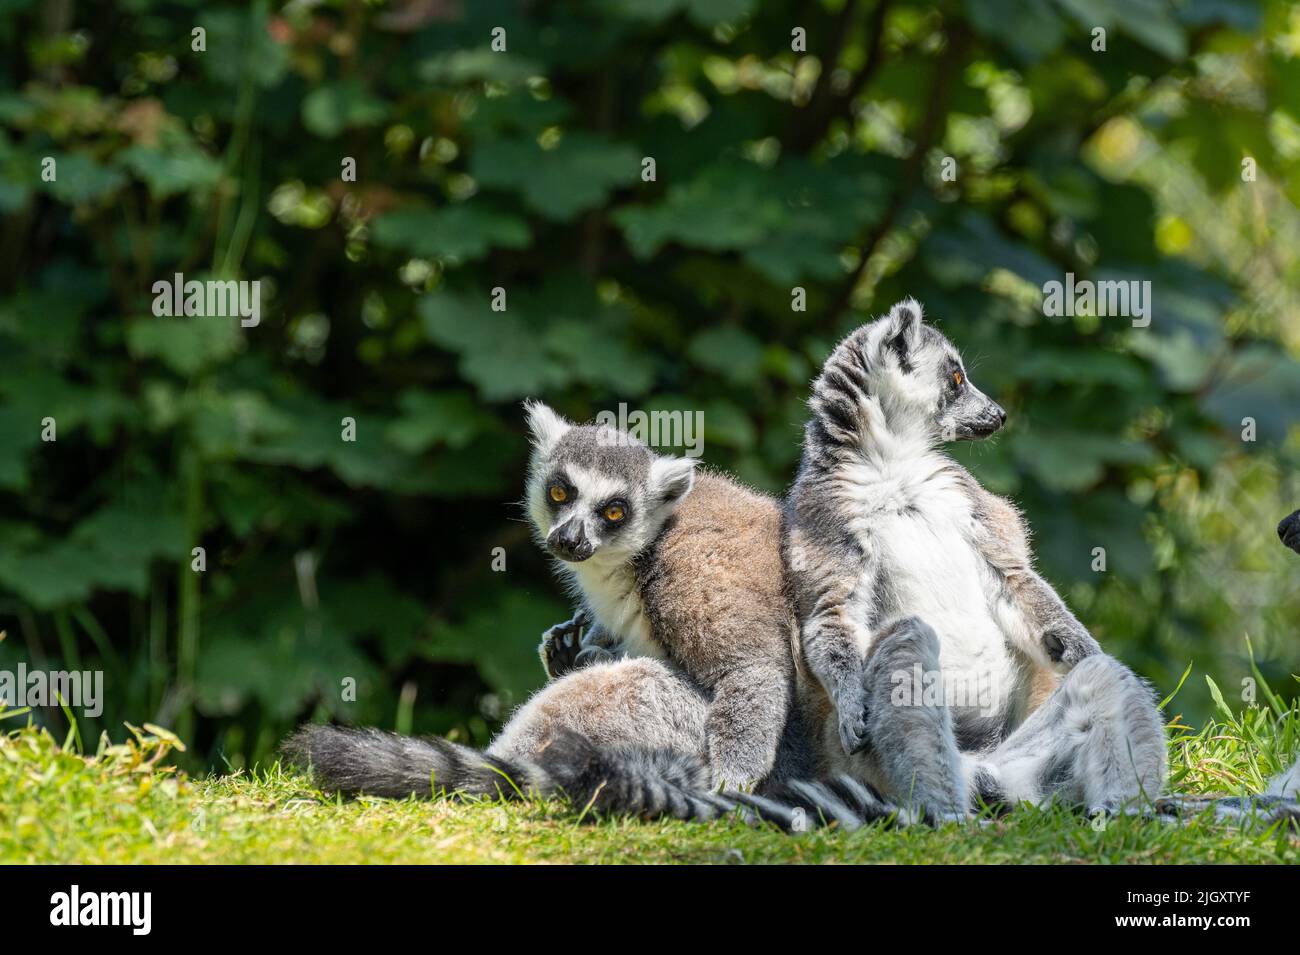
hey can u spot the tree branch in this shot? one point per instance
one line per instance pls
(931, 124)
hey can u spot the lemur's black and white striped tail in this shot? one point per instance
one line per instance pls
(628, 780)
(657, 783)
(802, 805)
(1279, 803)
(652, 783)
(375, 763)
(605, 779)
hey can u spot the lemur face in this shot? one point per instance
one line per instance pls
(921, 380)
(595, 492)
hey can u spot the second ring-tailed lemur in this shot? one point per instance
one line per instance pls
(630, 735)
(883, 526)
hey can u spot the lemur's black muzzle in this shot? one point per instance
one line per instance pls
(990, 421)
(569, 542)
(1289, 531)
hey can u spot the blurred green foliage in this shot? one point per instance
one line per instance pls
(523, 169)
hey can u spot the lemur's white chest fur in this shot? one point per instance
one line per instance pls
(916, 529)
(610, 593)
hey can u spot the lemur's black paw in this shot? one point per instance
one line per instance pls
(1289, 531)
(561, 645)
(853, 724)
(1068, 645)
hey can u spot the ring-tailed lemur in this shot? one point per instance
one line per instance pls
(673, 564)
(903, 566)
(884, 525)
(668, 564)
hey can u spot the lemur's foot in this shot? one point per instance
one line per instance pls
(562, 645)
(852, 706)
(1068, 643)
(595, 653)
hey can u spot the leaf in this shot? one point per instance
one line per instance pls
(1030, 28)
(452, 419)
(308, 433)
(458, 67)
(965, 253)
(225, 425)
(518, 111)
(333, 107)
(1150, 22)
(576, 174)
(1259, 383)
(730, 352)
(1082, 367)
(727, 424)
(373, 605)
(725, 207)
(707, 13)
(19, 433)
(500, 636)
(1181, 680)
(134, 533)
(1219, 703)
(238, 46)
(80, 179)
(611, 362)
(111, 550)
(51, 576)
(465, 232)
(186, 345)
(498, 353)
(1274, 701)
(168, 173)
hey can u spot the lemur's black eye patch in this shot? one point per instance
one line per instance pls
(559, 491)
(956, 378)
(614, 511)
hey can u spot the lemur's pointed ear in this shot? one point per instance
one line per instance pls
(546, 426)
(904, 332)
(671, 479)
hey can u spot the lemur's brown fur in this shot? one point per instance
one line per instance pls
(714, 591)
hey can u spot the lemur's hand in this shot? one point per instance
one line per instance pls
(561, 645)
(1289, 531)
(851, 703)
(1067, 641)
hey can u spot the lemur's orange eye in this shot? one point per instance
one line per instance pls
(558, 494)
(614, 513)
(956, 377)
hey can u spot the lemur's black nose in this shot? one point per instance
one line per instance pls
(1289, 531)
(569, 542)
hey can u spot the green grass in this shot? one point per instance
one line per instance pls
(124, 805)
